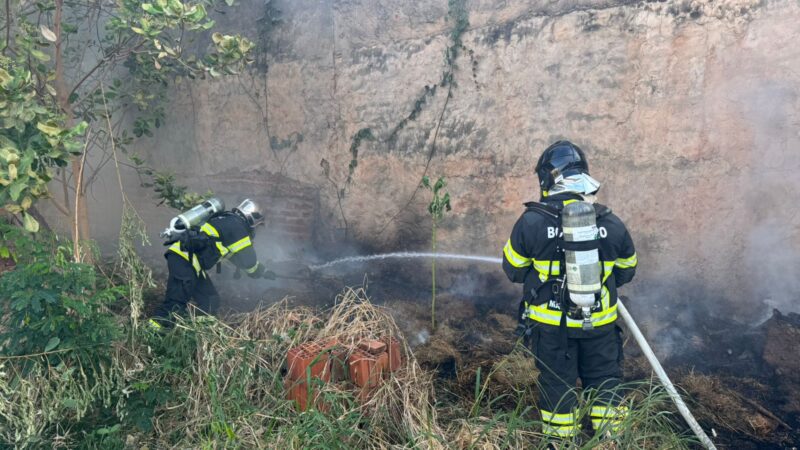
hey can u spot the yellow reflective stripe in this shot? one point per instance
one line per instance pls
(609, 411)
(176, 247)
(609, 425)
(560, 431)
(541, 314)
(543, 266)
(514, 258)
(608, 269)
(252, 269)
(627, 263)
(209, 229)
(567, 202)
(558, 419)
(240, 244)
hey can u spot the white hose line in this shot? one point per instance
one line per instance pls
(651, 357)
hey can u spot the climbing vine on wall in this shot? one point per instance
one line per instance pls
(458, 17)
(362, 134)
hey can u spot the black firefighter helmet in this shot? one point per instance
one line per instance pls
(560, 159)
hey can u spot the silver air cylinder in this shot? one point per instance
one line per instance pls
(193, 217)
(582, 258)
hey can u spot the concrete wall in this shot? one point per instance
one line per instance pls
(688, 110)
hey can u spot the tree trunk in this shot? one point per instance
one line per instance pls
(80, 218)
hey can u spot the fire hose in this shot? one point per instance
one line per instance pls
(656, 365)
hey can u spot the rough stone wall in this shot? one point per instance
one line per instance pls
(688, 111)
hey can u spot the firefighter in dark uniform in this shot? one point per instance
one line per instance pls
(225, 236)
(563, 348)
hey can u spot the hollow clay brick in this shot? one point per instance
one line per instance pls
(303, 397)
(297, 392)
(299, 359)
(338, 365)
(365, 370)
(372, 346)
(394, 352)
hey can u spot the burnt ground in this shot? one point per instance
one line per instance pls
(743, 380)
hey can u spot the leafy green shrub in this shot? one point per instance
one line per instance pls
(52, 304)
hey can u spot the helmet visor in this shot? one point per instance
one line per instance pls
(562, 158)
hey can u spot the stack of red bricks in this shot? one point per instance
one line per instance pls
(365, 367)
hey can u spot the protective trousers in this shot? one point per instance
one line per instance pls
(596, 359)
(185, 284)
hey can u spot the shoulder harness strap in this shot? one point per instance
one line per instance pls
(541, 208)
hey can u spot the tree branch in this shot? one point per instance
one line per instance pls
(8, 26)
(61, 208)
(78, 193)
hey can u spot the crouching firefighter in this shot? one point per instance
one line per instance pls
(571, 254)
(200, 239)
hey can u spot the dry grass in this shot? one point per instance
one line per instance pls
(718, 403)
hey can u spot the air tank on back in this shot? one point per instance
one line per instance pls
(193, 217)
(583, 269)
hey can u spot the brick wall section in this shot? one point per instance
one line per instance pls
(291, 207)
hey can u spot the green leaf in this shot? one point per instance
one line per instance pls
(196, 13)
(52, 343)
(16, 189)
(5, 78)
(30, 223)
(79, 129)
(152, 9)
(5, 253)
(50, 130)
(40, 55)
(138, 30)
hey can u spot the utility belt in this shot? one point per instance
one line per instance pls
(554, 303)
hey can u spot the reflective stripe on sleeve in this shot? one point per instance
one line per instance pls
(252, 269)
(627, 263)
(515, 258)
(240, 245)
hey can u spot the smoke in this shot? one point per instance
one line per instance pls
(772, 246)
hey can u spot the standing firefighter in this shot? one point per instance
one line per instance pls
(571, 340)
(199, 247)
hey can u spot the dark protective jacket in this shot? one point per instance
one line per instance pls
(530, 257)
(224, 236)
